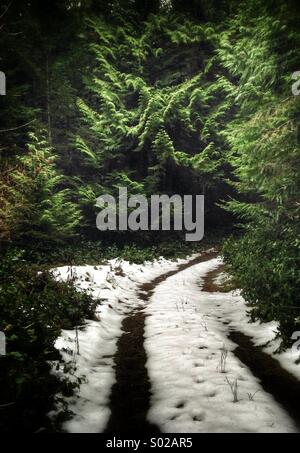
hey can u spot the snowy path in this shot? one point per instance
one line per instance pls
(116, 285)
(186, 336)
(130, 398)
(186, 332)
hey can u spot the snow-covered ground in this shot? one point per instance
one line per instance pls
(116, 285)
(235, 310)
(185, 336)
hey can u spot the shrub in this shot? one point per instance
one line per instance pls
(265, 264)
(34, 308)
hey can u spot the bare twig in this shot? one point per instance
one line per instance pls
(234, 389)
(77, 341)
(6, 9)
(252, 395)
(2, 406)
(16, 128)
(223, 359)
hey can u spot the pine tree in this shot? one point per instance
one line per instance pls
(149, 112)
(34, 205)
(259, 55)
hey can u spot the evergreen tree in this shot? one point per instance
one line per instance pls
(260, 57)
(34, 206)
(148, 110)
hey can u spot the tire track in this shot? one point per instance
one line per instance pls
(274, 379)
(130, 397)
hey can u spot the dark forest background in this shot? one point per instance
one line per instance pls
(161, 97)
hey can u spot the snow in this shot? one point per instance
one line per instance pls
(116, 285)
(185, 335)
(235, 310)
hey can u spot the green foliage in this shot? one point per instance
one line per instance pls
(96, 252)
(259, 54)
(148, 109)
(265, 264)
(189, 97)
(34, 308)
(33, 202)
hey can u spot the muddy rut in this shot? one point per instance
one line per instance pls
(275, 380)
(130, 398)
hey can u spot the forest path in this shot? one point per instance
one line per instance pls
(130, 397)
(274, 379)
(130, 400)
